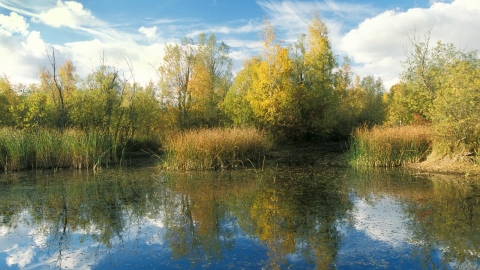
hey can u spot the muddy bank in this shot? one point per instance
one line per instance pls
(463, 166)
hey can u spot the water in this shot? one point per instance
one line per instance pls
(288, 218)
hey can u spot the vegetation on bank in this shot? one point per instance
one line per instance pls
(51, 148)
(291, 92)
(390, 146)
(216, 148)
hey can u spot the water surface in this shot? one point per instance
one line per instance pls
(288, 218)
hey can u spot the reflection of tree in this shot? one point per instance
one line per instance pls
(61, 205)
(290, 212)
(450, 221)
(443, 211)
(300, 214)
(197, 219)
(297, 213)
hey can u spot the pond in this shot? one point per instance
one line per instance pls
(292, 217)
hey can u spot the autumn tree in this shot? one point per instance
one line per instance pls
(321, 98)
(10, 103)
(273, 96)
(60, 82)
(175, 76)
(211, 79)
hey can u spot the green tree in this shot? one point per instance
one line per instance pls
(235, 105)
(425, 73)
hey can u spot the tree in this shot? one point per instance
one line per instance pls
(210, 80)
(235, 105)
(273, 97)
(10, 103)
(425, 73)
(60, 82)
(456, 109)
(321, 98)
(175, 75)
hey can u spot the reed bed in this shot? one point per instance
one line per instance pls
(205, 149)
(390, 146)
(50, 148)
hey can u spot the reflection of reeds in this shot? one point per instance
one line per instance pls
(50, 148)
(390, 146)
(215, 148)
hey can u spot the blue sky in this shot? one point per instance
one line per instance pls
(373, 33)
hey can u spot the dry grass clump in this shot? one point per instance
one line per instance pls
(204, 149)
(390, 146)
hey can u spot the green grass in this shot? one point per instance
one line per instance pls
(205, 149)
(390, 146)
(51, 148)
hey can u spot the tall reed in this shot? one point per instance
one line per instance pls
(50, 148)
(203, 149)
(390, 146)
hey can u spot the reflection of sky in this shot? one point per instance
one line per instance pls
(382, 220)
(142, 247)
(23, 246)
(376, 239)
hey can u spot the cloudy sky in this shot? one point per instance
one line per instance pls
(373, 33)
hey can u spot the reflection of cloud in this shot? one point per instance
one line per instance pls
(39, 239)
(3, 230)
(22, 257)
(382, 220)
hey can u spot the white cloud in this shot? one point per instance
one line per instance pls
(86, 55)
(382, 39)
(21, 257)
(149, 32)
(382, 220)
(14, 23)
(34, 45)
(69, 13)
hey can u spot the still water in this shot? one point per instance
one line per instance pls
(286, 218)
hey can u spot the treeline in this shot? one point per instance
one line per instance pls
(292, 92)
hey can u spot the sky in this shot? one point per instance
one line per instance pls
(131, 35)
